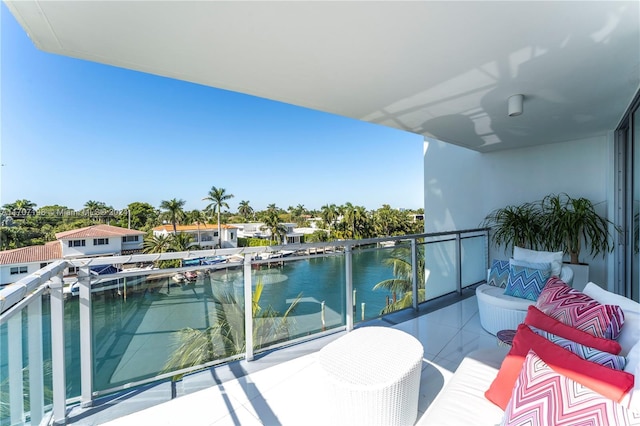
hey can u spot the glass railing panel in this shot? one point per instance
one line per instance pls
(297, 296)
(474, 259)
(148, 325)
(5, 398)
(440, 268)
(381, 279)
(29, 363)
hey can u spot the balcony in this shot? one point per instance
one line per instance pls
(109, 361)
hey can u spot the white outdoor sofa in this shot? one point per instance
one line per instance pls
(462, 401)
(501, 312)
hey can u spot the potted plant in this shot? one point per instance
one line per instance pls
(557, 222)
(570, 224)
(516, 225)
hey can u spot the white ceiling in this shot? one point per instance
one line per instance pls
(440, 69)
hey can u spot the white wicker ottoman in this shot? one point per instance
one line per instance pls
(373, 377)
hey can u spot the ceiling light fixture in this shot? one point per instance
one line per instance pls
(515, 105)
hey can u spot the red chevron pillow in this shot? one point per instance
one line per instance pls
(578, 310)
(542, 396)
(538, 319)
(613, 384)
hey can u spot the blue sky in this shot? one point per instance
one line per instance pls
(74, 131)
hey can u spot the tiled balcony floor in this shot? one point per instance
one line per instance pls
(288, 393)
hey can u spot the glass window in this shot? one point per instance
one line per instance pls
(16, 270)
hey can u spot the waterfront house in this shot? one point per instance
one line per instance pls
(90, 241)
(100, 240)
(204, 235)
(20, 262)
(258, 230)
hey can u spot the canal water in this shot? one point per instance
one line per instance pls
(136, 327)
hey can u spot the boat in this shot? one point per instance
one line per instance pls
(212, 260)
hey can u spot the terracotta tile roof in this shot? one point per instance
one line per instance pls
(97, 231)
(50, 251)
(186, 228)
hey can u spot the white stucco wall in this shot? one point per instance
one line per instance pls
(462, 186)
(7, 278)
(114, 246)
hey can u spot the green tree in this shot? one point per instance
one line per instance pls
(99, 211)
(20, 209)
(317, 237)
(173, 211)
(225, 337)
(157, 243)
(385, 221)
(218, 198)
(329, 213)
(401, 284)
(273, 223)
(143, 216)
(297, 213)
(245, 210)
(361, 223)
(181, 241)
(12, 237)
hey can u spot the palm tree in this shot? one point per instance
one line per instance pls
(20, 208)
(401, 284)
(297, 212)
(218, 198)
(273, 224)
(360, 222)
(349, 219)
(245, 210)
(98, 210)
(385, 221)
(181, 241)
(226, 336)
(157, 243)
(173, 210)
(329, 214)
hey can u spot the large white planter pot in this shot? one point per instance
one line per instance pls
(580, 275)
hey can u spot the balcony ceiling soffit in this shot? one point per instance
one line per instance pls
(440, 69)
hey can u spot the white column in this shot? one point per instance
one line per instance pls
(248, 308)
(16, 391)
(348, 280)
(86, 339)
(57, 351)
(36, 375)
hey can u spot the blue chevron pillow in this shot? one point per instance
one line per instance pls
(499, 273)
(526, 280)
(616, 362)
